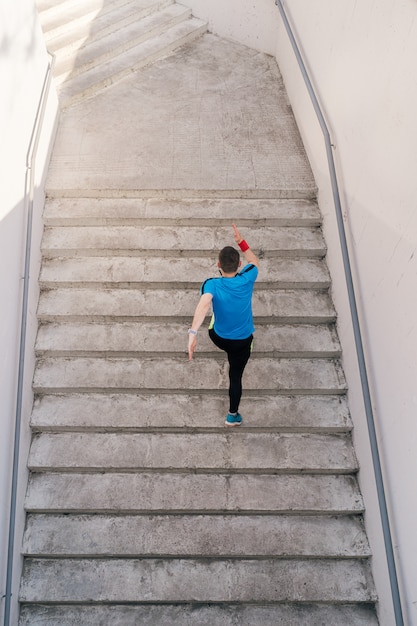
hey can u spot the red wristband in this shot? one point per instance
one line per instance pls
(243, 245)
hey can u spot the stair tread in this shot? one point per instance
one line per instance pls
(135, 412)
(56, 16)
(99, 270)
(210, 451)
(307, 306)
(144, 337)
(209, 615)
(290, 211)
(67, 40)
(194, 581)
(192, 493)
(97, 78)
(187, 238)
(266, 374)
(212, 536)
(95, 52)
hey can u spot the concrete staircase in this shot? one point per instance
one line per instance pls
(99, 42)
(143, 508)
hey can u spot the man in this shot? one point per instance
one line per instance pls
(231, 328)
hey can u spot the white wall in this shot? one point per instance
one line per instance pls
(23, 63)
(362, 56)
(252, 23)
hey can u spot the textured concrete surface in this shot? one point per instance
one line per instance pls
(191, 535)
(191, 121)
(171, 492)
(155, 373)
(125, 339)
(133, 270)
(193, 581)
(105, 47)
(256, 452)
(229, 615)
(214, 211)
(100, 16)
(298, 241)
(288, 306)
(104, 74)
(124, 411)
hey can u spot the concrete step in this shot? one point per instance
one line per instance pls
(67, 41)
(54, 15)
(131, 338)
(234, 452)
(192, 535)
(117, 42)
(259, 580)
(298, 376)
(128, 271)
(274, 306)
(96, 79)
(192, 493)
(285, 241)
(124, 412)
(208, 615)
(192, 212)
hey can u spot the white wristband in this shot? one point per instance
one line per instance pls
(192, 332)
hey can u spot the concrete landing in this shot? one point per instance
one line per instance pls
(212, 117)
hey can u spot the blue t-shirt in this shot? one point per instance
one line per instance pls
(232, 303)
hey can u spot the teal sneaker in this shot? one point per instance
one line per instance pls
(233, 420)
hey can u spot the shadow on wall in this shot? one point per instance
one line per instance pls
(12, 259)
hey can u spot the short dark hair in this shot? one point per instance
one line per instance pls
(229, 259)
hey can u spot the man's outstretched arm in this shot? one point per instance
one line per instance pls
(199, 317)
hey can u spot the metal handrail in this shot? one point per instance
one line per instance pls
(28, 208)
(396, 598)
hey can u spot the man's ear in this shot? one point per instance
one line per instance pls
(218, 264)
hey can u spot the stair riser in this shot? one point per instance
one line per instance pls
(297, 306)
(181, 239)
(234, 452)
(207, 212)
(228, 615)
(134, 338)
(137, 412)
(192, 536)
(192, 493)
(194, 581)
(126, 271)
(273, 375)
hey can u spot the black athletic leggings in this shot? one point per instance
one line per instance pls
(238, 353)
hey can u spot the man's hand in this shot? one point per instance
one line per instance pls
(199, 316)
(238, 236)
(249, 255)
(192, 344)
